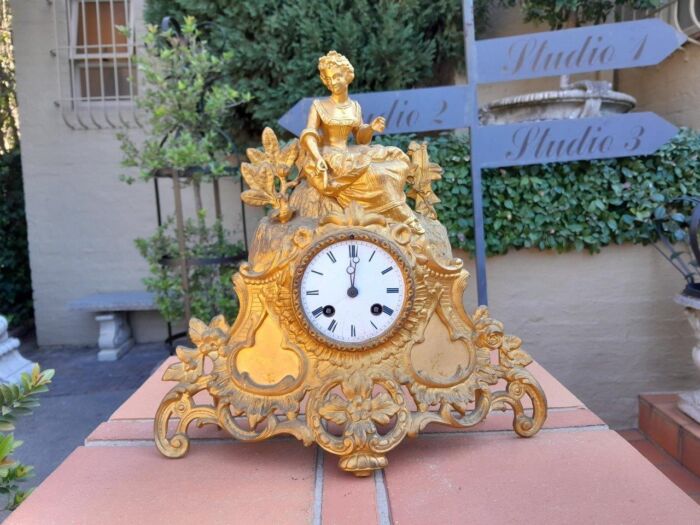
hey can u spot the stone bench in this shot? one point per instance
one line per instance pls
(112, 308)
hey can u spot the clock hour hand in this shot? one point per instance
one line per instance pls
(352, 269)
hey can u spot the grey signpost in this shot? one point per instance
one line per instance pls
(407, 111)
(579, 50)
(565, 52)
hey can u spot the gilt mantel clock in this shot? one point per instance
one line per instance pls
(352, 332)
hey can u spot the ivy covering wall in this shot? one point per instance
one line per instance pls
(566, 206)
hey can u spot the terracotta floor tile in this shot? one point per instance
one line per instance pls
(644, 416)
(631, 434)
(683, 478)
(563, 477)
(214, 484)
(690, 451)
(651, 452)
(656, 399)
(347, 499)
(664, 432)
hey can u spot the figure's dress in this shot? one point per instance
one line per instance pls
(373, 176)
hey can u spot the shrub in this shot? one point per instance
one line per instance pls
(210, 291)
(392, 45)
(15, 278)
(17, 400)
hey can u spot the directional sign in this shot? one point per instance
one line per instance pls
(569, 51)
(408, 111)
(567, 140)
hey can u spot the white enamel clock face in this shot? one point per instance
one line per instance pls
(353, 291)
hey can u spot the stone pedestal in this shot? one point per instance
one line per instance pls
(115, 336)
(689, 402)
(12, 364)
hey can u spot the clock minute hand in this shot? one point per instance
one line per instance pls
(352, 269)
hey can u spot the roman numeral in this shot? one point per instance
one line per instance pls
(388, 290)
(318, 311)
(387, 310)
(331, 256)
(352, 330)
(387, 270)
(332, 326)
(370, 257)
(375, 326)
(352, 250)
(311, 292)
(317, 273)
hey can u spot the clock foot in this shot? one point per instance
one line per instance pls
(363, 464)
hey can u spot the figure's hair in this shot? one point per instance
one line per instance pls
(335, 59)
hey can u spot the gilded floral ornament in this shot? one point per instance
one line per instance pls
(423, 174)
(351, 332)
(268, 175)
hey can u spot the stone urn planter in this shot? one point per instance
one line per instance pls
(689, 402)
(677, 227)
(12, 364)
(583, 99)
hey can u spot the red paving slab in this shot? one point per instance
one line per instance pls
(554, 477)
(347, 500)
(217, 484)
(573, 471)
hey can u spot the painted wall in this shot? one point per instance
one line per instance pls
(671, 89)
(605, 325)
(82, 219)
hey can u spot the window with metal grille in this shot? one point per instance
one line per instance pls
(100, 53)
(96, 71)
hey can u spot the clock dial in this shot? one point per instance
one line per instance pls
(353, 291)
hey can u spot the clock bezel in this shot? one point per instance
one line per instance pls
(381, 242)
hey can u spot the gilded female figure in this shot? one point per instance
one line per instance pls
(373, 176)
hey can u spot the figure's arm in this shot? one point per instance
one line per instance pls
(310, 141)
(310, 138)
(363, 133)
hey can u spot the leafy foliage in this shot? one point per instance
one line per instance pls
(17, 400)
(15, 278)
(267, 175)
(565, 206)
(187, 101)
(395, 44)
(9, 134)
(210, 286)
(15, 281)
(562, 13)
(673, 221)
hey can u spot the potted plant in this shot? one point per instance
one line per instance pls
(587, 98)
(677, 228)
(187, 101)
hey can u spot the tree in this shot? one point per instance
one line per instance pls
(187, 100)
(574, 13)
(394, 44)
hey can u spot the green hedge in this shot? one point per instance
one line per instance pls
(15, 281)
(567, 206)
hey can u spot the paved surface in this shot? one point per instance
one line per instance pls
(84, 392)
